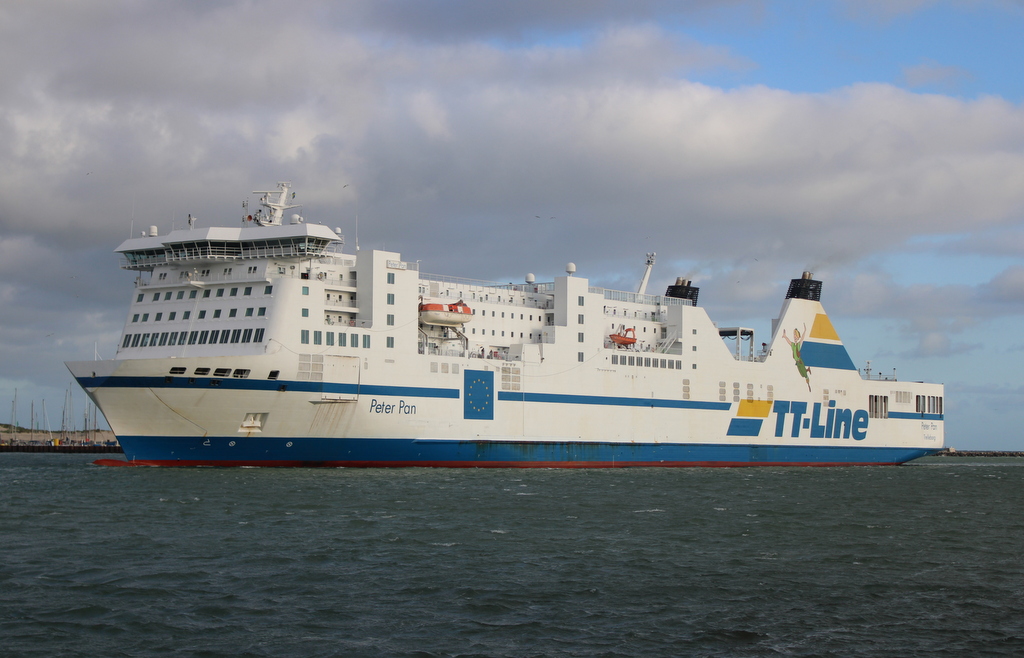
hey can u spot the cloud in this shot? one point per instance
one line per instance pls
(930, 73)
(453, 131)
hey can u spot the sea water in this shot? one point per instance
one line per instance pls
(922, 559)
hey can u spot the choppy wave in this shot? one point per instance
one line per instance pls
(913, 560)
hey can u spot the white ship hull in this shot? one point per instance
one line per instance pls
(339, 370)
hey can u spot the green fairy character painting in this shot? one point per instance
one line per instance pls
(796, 344)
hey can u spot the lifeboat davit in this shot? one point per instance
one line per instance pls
(624, 337)
(445, 315)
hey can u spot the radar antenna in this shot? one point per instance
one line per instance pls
(275, 206)
(642, 290)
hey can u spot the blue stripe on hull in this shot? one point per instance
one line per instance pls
(233, 451)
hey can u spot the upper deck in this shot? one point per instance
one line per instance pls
(223, 244)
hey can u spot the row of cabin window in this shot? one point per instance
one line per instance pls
(192, 294)
(646, 362)
(344, 340)
(512, 334)
(239, 373)
(185, 315)
(193, 337)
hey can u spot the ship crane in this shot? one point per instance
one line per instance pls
(642, 290)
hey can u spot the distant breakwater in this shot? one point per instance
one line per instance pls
(952, 452)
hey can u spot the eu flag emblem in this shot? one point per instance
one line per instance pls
(478, 395)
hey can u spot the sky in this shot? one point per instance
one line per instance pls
(876, 143)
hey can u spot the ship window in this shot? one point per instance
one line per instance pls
(139, 298)
(354, 342)
(261, 311)
(579, 356)
(202, 314)
(654, 363)
(366, 341)
(214, 382)
(240, 373)
(216, 313)
(247, 291)
(170, 316)
(136, 339)
(304, 337)
(580, 300)
(580, 318)
(503, 314)
(185, 315)
(391, 298)
(694, 348)
(236, 335)
(127, 340)
(579, 337)
(193, 337)
(156, 297)
(444, 368)
(234, 292)
(222, 372)
(158, 316)
(391, 277)
(433, 366)
(163, 339)
(224, 336)
(305, 290)
(178, 370)
(391, 320)
(220, 292)
(318, 338)
(167, 295)
(135, 318)
(342, 339)
(329, 338)
(663, 363)
(181, 294)
(182, 337)
(679, 365)
(305, 312)
(391, 342)
(257, 336)
(198, 337)
(192, 294)
(268, 290)
(248, 312)
(206, 294)
(214, 335)
(615, 359)
(878, 406)
(200, 372)
(233, 312)
(145, 317)
(274, 374)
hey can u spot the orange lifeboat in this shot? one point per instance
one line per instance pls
(625, 337)
(445, 315)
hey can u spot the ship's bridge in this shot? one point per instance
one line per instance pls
(224, 244)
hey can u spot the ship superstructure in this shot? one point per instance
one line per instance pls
(267, 345)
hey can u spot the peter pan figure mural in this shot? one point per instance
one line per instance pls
(795, 345)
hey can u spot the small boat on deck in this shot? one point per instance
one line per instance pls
(446, 315)
(624, 337)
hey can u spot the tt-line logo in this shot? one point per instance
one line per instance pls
(839, 423)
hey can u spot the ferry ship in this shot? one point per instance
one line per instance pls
(267, 345)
